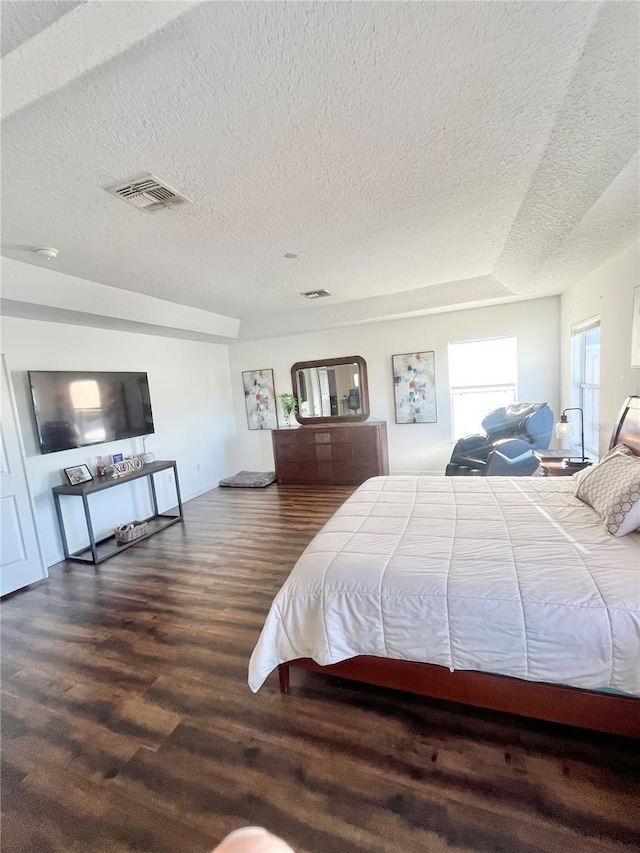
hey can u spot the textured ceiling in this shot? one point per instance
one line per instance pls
(23, 19)
(414, 155)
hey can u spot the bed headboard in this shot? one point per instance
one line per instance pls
(627, 429)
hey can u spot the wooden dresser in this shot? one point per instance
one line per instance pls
(339, 454)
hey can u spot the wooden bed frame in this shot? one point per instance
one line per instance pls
(588, 709)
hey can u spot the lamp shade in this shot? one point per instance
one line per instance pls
(564, 431)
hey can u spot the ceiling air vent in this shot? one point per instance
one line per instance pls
(147, 193)
(316, 294)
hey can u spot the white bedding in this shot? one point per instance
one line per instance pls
(505, 575)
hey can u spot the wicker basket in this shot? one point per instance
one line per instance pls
(139, 529)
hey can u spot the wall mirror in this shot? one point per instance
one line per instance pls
(333, 389)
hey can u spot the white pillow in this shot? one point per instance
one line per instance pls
(612, 488)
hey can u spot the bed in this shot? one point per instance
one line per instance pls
(503, 593)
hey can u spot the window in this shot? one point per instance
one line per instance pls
(482, 377)
(585, 384)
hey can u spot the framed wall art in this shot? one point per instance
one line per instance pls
(414, 387)
(260, 399)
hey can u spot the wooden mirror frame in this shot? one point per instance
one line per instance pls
(329, 362)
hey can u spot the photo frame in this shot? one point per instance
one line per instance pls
(78, 474)
(414, 387)
(635, 329)
(260, 399)
(117, 457)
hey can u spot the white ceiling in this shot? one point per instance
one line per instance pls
(414, 155)
(23, 19)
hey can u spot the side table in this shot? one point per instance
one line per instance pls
(100, 550)
(553, 465)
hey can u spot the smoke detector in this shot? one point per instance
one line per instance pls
(147, 193)
(46, 252)
(316, 294)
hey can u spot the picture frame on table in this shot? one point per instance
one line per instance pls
(414, 387)
(78, 474)
(260, 399)
(117, 457)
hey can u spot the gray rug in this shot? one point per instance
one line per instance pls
(249, 479)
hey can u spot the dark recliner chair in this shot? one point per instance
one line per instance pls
(353, 400)
(512, 434)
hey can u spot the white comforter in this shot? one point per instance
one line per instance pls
(510, 576)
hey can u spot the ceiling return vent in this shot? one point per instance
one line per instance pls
(147, 193)
(316, 294)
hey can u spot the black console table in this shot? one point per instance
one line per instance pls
(107, 547)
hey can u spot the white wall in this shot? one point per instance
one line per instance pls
(412, 447)
(608, 293)
(192, 409)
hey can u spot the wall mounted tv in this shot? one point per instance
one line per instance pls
(78, 408)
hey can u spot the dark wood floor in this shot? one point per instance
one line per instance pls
(128, 723)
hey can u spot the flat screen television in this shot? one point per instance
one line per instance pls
(80, 408)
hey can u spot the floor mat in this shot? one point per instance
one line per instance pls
(249, 479)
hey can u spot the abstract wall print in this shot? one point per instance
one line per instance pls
(414, 387)
(260, 399)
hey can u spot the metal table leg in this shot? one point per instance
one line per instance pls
(154, 497)
(92, 538)
(63, 535)
(175, 476)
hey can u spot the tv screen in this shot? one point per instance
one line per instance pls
(77, 409)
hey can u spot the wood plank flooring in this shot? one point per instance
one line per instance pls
(128, 724)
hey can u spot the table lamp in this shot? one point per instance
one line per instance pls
(564, 430)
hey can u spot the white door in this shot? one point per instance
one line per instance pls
(20, 558)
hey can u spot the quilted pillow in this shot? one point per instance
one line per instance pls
(612, 488)
(618, 450)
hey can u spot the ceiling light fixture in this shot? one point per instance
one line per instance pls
(316, 294)
(46, 252)
(290, 255)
